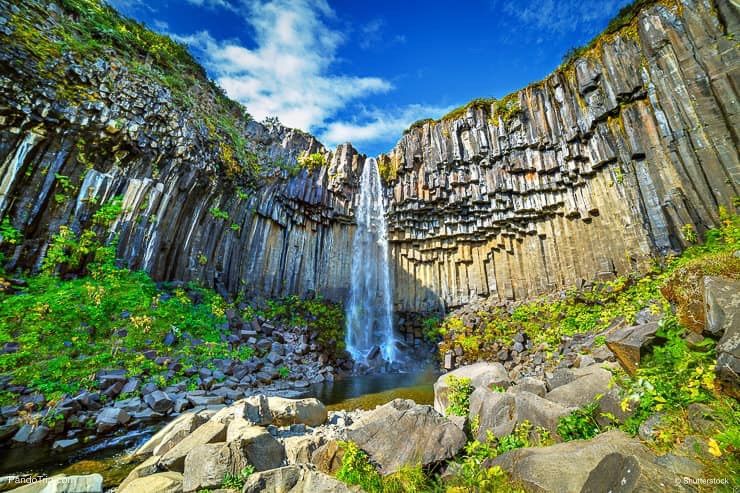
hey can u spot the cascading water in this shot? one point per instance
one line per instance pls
(370, 312)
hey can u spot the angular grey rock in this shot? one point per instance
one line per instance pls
(629, 344)
(159, 401)
(146, 468)
(65, 444)
(310, 412)
(210, 432)
(589, 383)
(539, 411)
(427, 436)
(299, 449)
(207, 465)
(91, 483)
(171, 434)
(111, 418)
(722, 298)
(30, 434)
(530, 384)
(294, 479)
(495, 412)
(163, 482)
(722, 305)
(255, 409)
(576, 466)
(480, 374)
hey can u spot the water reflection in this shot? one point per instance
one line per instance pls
(376, 388)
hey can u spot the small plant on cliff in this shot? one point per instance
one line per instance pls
(430, 329)
(689, 233)
(284, 372)
(458, 395)
(8, 234)
(313, 161)
(218, 213)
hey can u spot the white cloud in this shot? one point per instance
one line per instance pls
(375, 124)
(289, 72)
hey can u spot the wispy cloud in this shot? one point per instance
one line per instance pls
(562, 16)
(375, 124)
(215, 4)
(289, 73)
(373, 36)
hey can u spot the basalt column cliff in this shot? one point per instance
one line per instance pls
(595, 170)
(588, 173)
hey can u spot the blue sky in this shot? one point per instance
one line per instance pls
(362, 71)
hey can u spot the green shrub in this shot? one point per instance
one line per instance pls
(236, 481)
(313, 161)
(581, 424)
(458, 395)
(357, 470)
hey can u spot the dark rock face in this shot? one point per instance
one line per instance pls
(603, 163)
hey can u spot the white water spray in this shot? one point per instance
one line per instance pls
(370, 312)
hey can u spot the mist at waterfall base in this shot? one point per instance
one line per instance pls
(370, 335)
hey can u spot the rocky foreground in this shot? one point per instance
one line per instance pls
(293, 445)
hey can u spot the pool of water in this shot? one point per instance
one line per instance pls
(368, 391)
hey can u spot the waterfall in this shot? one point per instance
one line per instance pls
(369, 311)
(12, 165)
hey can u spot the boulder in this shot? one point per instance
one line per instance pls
(210, 432)
(629, 344)
(146, 468)
(480, 374)
(495, 411)
(539, 411)
(207, 465)
(611, 461)
(110, 418)
(262, 450)
(404, 433)
(558, 378)
(722, 299)
(589, 383)
(299, 449)
(90, 483)
(159, 401)
(310, 412)
(30, 434)
(530, 384)
(163, 482)
(294, 479)
(255, 409)
(722, 305)
(65, 444)
(328, 457)
(170, 435)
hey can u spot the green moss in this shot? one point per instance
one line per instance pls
(624, 20)
(418, 124)
(478, 104)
